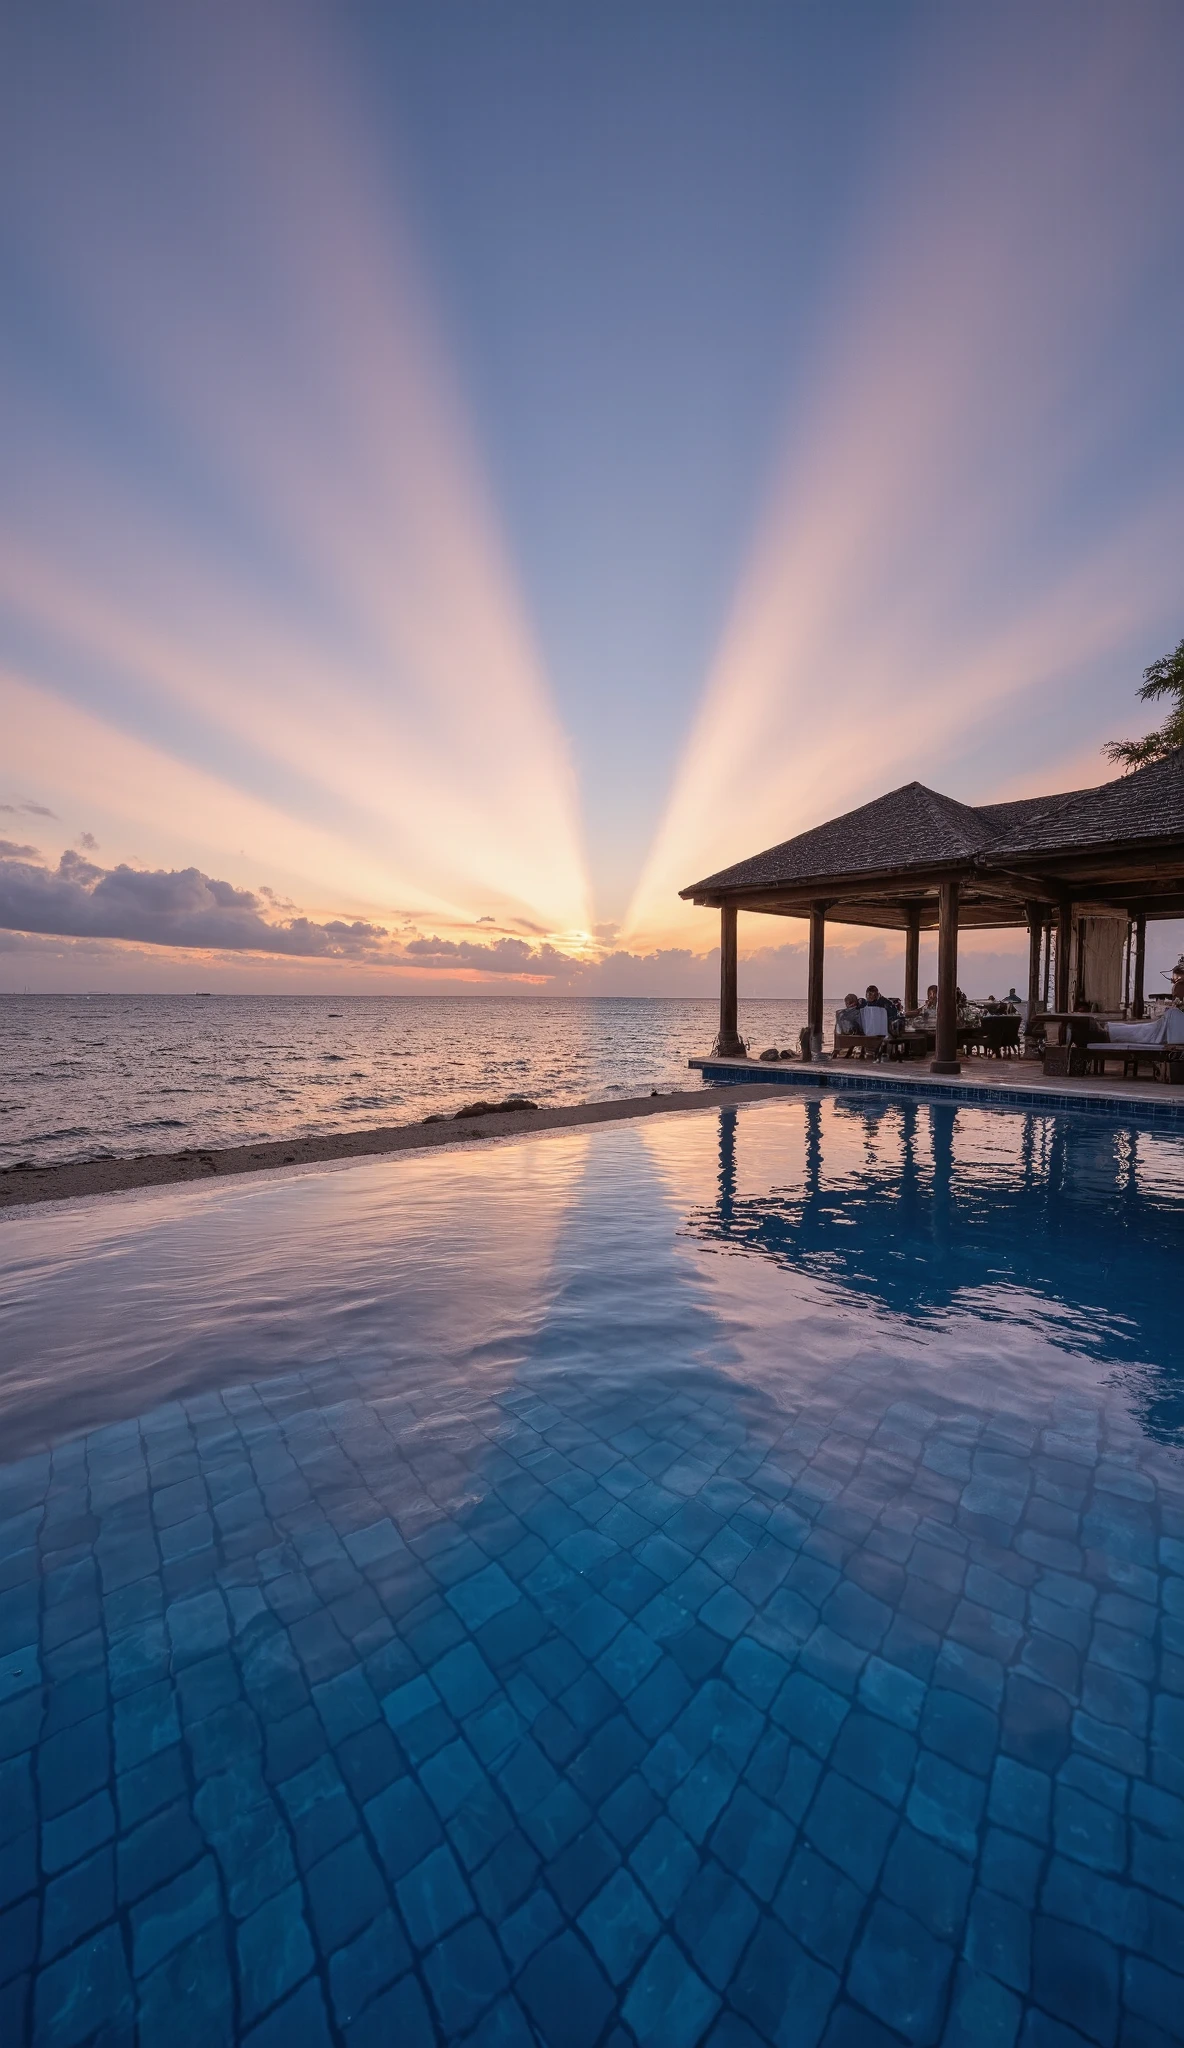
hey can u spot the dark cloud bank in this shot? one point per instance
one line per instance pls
(183, 908)
(159, 907)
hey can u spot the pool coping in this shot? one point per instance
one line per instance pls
(26, 1187)
(871, 1078)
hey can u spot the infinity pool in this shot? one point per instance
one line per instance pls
(718, 1579)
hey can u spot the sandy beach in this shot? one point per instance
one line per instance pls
(21, 1185)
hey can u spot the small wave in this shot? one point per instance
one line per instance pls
(159, 1123)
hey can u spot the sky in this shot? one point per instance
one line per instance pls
(471, 470)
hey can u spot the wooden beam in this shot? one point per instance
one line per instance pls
(947, 1061)
(728, 1044)
(1137, 1005)
(912, 956)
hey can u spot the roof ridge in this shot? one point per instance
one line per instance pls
(945, 808)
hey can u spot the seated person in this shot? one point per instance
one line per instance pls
(889, 1004)
(848, 1019)
(929, 1011)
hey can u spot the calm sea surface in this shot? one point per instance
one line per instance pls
(84, 1077)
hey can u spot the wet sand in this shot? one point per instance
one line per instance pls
(23, 1184)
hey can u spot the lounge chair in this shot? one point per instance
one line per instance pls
(1157, 1042)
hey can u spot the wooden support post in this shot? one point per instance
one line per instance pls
(912, 955)
(1079, 964)
(728, 1044)
(1064, 950)
(1137, 1004)
(814, 985)
(947, 1061)
(1034, 912)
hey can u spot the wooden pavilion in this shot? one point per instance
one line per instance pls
(915, 860)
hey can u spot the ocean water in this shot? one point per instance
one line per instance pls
(92, 1077)
(716, 1580)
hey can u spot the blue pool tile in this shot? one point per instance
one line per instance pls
(86, 1993)
(714, 1920)
(998, 1939)
(274, 1952)
(73, 1765)
(891, 1692)
(665, 1861)
(781, 1990)
(983, 2012)
(466, 1974)
(1020, 1798)
(488, 1593)
(300, 2022)
(850, 1828)
(156, 1851)
(526, 1929)
(876, 1755)
(931, 1881)
(433, 1898)
(581, 1867)
(464, 1680)
(811, 1712)
(960, 1729)
(668, 2002)
(1011, 1866)
(1076, 1978)
(77, 1903)
(345, 1893)
(820, 1907)
(900, 1973)
(619, 1925)
(947, 1803)
(171, 1914)
(1070, 1891)
(566, 1993)
(74, 1834)
(188, 2001)
(1088, 1831)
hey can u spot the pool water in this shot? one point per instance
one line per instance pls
(718, 1579)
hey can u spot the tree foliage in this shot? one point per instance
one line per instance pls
(1164, 678)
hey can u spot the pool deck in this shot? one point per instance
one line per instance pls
(1020, 1084)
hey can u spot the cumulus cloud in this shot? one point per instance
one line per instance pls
(88, 842)
(497, 956)
(161, 907)
(9, 850)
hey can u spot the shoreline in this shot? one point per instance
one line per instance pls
(22, 1186)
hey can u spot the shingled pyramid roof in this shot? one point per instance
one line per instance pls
(916, 827)
(910, 827)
